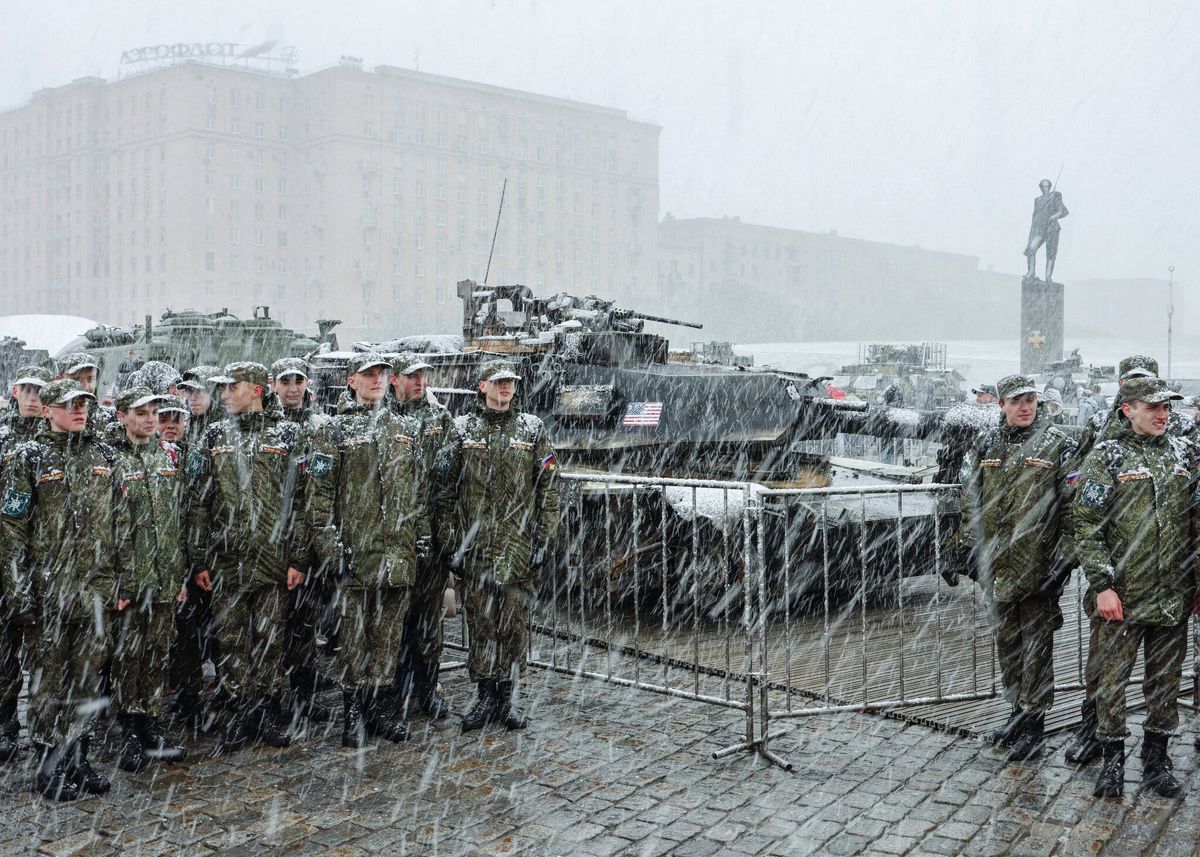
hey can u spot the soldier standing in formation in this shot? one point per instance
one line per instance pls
(242, 545)
(171, 421)
(1014, 496)
(1135, 530)
(497, 511)
(23, 424)
(366, 510)
(417, 667)
(150, 567)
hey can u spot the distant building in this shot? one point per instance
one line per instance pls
(752, 283)
(345, 193)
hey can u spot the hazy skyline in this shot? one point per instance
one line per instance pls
(928, 124)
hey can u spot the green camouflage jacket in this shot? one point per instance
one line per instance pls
(1110, 424)
(57, 518)
(1015, 494)
(149, 543)
(366, 500)
(16, 430)
(1134, 513)
(497, 503)
(435, 420)
(243, 487)
(100, 417)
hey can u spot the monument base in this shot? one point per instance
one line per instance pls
(1041, 324)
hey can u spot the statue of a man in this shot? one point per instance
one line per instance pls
(1048, 209)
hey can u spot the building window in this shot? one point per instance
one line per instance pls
(210, 261)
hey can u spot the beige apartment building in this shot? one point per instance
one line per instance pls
(347, 193)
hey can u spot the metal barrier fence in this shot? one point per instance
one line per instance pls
(778, 603)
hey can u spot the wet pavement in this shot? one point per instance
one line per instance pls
(607, 770)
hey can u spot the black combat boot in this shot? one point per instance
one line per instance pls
(1030, 743)
(429, 698)
(485, 708)
(54, 778)
(88, 779)
(156, 745)
(10, 728)
(383, 716)
(1085, 747)
(354, 727)
(132, 755)
(507, 712)
(238, 730)
(1156, 766)
(1111, 782)
(1010, 731)
(305, 704)
(265, 723)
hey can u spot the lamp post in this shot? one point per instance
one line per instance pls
(1170, 314)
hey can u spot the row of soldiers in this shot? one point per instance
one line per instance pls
(1121, 503)
(220, 514)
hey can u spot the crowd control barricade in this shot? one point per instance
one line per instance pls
(653, 588)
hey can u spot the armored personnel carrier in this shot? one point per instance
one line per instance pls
(913, 375)
(189, 338)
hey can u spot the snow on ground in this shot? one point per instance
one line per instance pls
(982, 361)
(51, 332)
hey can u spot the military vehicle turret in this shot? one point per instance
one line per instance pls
(915, 375)
(13, 356)
(189, 338)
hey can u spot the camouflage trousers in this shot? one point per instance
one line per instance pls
(10, 662)
(1117, 647)
(65, 654)
(249, 632)
(498, 621)
(305, 606)
(370, 627)
(139, 669)
(1025, 648)
(193, 640)
(423, 637)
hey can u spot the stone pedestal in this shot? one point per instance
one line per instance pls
(1041, 324)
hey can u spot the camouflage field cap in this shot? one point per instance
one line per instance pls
(498, 370)
(171, 404)
(35, 375)
(363, 362)
(199, 377)
(290, 366)
(156, 375)
(1137, 366)
(61, 392)
(243, 370)
(986, 388)
(1148, 390)
(407, 364)
(135, 397)
(1015, 385)
(77, 361)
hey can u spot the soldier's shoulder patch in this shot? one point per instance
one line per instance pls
(320, 464)
(15, 504)
(195, 463)
(1094, 494)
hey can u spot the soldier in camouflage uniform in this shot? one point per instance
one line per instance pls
(421, 654)
(84, 368)
(365, 513)
(172, 421)
(57, 520)
(150, 567)
(241, 544)
(1135, 533)
(289, 383)
(1014, 496)
(1110, 425)
(24, 422)
(193, 642)
(497, 511)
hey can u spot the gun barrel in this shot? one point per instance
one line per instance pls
(664, 320)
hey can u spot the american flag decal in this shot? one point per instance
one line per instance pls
(642, 414)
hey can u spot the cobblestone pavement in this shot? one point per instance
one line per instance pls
(610, 771)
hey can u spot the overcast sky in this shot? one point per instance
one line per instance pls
(927, 124)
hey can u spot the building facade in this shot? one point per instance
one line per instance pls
(752, 283)
(363, 195)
